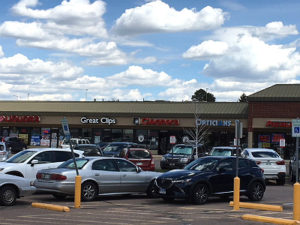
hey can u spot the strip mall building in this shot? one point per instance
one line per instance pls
(267, 119)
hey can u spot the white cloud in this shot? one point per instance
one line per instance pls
(206, 49)
(158, 16)
(1, 51)
(75, 17)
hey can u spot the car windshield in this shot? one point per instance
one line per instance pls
(182, 150)
(221, 152)
(114, 148)
(21, 156)
(203, 164)
(139, 154)
(265, 154)
(71, 165)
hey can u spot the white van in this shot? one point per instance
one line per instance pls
(74, 142)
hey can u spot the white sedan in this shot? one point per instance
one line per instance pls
(270, 161)
(13, 187)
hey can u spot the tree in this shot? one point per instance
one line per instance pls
(243, 98)
(203, 96)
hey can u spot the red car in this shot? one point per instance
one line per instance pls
(140, 157)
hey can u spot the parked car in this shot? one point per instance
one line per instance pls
(211, 176)
(224, 151)
(292, 168)
(27, 162)
(270, 161)
(74, 142)
(115, 148)
(178, 157)
(139, 156)
(89, 149)
(100, 176)
(102, 145)
(13, 187)
(4, 152)
(15, 144)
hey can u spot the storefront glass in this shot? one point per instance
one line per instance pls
(116, 134)
(128, 135)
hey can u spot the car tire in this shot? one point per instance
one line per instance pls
(256, 191)
(151, 190)
(200, 194)
(8, 195)
(59, 196)
(89, 191)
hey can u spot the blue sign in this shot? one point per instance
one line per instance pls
(65, 127)
(296, 128)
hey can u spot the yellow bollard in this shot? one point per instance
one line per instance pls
(236, 194)
(77, 198)
(297, 201)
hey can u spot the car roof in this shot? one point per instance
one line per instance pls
(225, 147)
(51, 149)
(259, 149)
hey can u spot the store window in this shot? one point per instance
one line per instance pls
(116, 134)
(87, 133)
(24, 134)
(153, 139)
(128, 135)
(45, 133)
(35, 139)
(141, 137)
(107, 135)
(97, 135)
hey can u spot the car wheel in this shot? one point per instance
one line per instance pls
(8, 195)
(88, 191)
(151, 190)
(200, 194)
(168, 199)
(59, 196)
(280, 181)
(256, 191)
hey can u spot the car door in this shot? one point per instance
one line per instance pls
(131, 179)
(107, 175)
(222, 181)
(244, 173)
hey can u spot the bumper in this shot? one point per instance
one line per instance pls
(55, 187)
(277, 176)
(175, 191)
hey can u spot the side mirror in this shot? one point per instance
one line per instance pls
(138, 169)
(33, 162)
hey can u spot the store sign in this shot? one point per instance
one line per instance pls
(103, 120)
(159, 122)
(215, 123)
(20, 119)
(277, 124)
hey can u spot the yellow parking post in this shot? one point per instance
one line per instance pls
(297, 201)
(77, 198)
(236, 194)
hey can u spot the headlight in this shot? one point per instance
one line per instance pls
(184, 160)
(163, 158)
(182, 181)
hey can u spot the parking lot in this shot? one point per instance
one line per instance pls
(141, 210)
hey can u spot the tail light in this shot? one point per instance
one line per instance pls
(262, 170)
(38, 176)
(58, 177)
(258, 162)
(282, 162)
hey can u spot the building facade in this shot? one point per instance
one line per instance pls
(266, 120)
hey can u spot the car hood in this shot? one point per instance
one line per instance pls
(169, 155)
(180, 174)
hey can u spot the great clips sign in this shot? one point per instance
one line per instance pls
(103, 120)
(20, 119)
(156, 122)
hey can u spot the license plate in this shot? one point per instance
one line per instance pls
(139, 164)
(46, 176)
(172, 164)
(162, 191)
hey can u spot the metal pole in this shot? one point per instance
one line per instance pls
(297, 159)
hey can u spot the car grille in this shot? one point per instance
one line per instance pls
(164, 182)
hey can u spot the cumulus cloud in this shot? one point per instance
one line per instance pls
(1, 51)
(157, 16)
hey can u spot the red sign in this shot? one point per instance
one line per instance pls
(264, 138)
(279, 124)
(19, 119)
(159, 122)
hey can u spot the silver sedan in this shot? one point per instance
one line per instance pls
(100, 176)
(13, 187)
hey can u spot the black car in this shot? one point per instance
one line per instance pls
(179, 156)
(89, 149)
(15, 144)
(211, 176)
(115, 148)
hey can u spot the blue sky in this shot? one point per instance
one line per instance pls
(132, 50)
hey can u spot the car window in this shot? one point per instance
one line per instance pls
(106, 165)
(265, 154)
(62, 156)
(243, 164)
(21, 157)
(221, 152)
(71, 165)
(90, 151)
(226, 165)
(45, 157)
(185, 150)
(139, 154)
(203, 164)
(125, 166)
